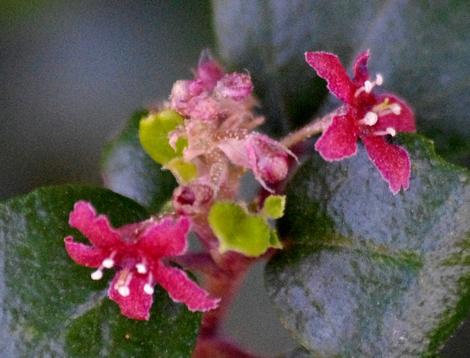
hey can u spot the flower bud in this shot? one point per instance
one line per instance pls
(236, 86)
(192, 199)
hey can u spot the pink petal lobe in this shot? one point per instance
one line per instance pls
(138, 303)
(182, 289)
(339, 141)
(236, 86)
(95, 228)
(361, 74)
(402, 122)
(84, 255)
(208, 70)
(166, 237)
(235, 150)
(329, 67)
(392, 161)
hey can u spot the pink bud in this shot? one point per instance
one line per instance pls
(236, 86)
(192, 199)
(273, 169)
(208, 71)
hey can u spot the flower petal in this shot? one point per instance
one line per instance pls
(339, 141)
(329, 67)
(84, 255)
(138, 303)
(95, 228)
(182, 289)
(392, 161)
(166, 237)
(361, 74)
(208, 70)
(403, 122)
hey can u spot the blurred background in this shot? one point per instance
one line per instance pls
(72, 72)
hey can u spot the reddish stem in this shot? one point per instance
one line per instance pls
(224, 284)
(216, 348)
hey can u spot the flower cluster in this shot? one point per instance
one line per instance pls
(218, 126)
(365, 115)
(205, 135)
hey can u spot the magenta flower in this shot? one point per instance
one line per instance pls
(138, 252)
(367, 116)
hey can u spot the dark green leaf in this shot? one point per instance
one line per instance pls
(129, 171)
(369, 274)
(51, 307)
(421, 47)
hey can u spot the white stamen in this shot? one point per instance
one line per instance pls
(148, 289)
(368, 85)
(391, 131)
(97, 275)
(370, 119)
(124, 291)
(395, 108)
(379, 80)
(141, 268)
(108, 263)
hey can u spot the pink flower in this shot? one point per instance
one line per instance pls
(367, 116)
(138, 252)
(267, 158)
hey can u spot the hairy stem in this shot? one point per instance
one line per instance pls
(316, 126)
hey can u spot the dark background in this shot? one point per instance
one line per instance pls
(72, 72)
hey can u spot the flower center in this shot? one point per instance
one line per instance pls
(382, 109)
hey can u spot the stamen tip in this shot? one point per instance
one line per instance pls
(124, 291)
(391, 131)
(379, 80)
(97, 275)
(148, 289)
(108, 263)
(141, 268)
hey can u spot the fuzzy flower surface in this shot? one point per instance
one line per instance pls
(139, 253)
(219, 127)
(372, 118)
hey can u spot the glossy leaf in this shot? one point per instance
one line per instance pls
(367, 273)
(129, 171)
(51, 307)
(420, 47)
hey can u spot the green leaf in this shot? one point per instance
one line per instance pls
(129, 171)
(51, 307)
(183, 171)
(368, 273)
(153, 134)
(237, 230)
(421, 48)
(273, 206)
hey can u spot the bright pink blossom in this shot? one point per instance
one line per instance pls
(139, 252)
(367, 116)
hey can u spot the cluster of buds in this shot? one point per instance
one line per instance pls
(217, 128)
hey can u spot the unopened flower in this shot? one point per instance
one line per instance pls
(212, 94)
(367, 116)
(138, 252)
(267, 158)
